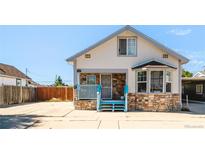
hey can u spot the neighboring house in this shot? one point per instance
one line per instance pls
(134, 72)
(199, 74)
(194, 87)
(10, 75)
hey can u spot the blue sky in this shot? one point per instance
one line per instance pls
(43, 49)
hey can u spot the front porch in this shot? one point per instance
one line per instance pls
(112, 85)
(101, 91)
(98, 103)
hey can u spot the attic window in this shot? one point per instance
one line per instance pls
(87, 56)
(165, 56)
(127, 46)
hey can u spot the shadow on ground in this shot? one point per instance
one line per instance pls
(196, 108)
(18, 121)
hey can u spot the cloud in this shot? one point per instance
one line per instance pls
(180, 32)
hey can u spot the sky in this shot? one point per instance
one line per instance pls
(43, 49)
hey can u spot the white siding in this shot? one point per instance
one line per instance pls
(106, 56)
(10, 81)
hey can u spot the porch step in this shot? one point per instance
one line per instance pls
(112, 105)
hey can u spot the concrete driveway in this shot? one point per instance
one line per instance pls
(62, 115)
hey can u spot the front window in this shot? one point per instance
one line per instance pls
(142, 81)
(156, 82)
(199, 89)
(127, 46)
(18, 82)
(91, 79)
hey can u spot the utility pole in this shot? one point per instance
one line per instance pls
(26, 71)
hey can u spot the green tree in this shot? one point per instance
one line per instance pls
(186, 73)
(59, 81)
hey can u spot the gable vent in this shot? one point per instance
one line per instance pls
(87, 56)
(165, 56)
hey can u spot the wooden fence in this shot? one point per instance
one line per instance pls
(60, 93)
(17, 95)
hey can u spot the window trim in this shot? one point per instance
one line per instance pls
(136, 82)
(148, 86)
(17, 79)
(163, 90)
(171, 81)
(91, 76)
(127, 38)
(201, 89)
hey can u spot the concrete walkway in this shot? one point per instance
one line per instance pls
(62, 115)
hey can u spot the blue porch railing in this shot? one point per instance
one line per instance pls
(126, 94)
(99, 90)
(87, 91)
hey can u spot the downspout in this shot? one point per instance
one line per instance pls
(74, 80)
(180, 84)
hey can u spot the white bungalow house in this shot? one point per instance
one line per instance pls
(10, 75)
(127, 71)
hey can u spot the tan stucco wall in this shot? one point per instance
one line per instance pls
(105, 57)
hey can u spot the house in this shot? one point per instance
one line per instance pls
(10, 75)
(194, 87)
(199, 74)
(127, 71)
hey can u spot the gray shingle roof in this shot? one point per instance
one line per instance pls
(159, 45)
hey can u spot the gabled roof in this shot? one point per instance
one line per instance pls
(153, 62)
(11, 71)
(201, 73)
(125, 28)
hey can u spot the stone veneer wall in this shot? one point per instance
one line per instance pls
(118, 83)
(154, 102)
(83, 104)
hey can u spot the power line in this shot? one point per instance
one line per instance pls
(45, 81)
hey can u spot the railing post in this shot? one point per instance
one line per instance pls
(98, 97)
(78, 91)
(126, 94)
